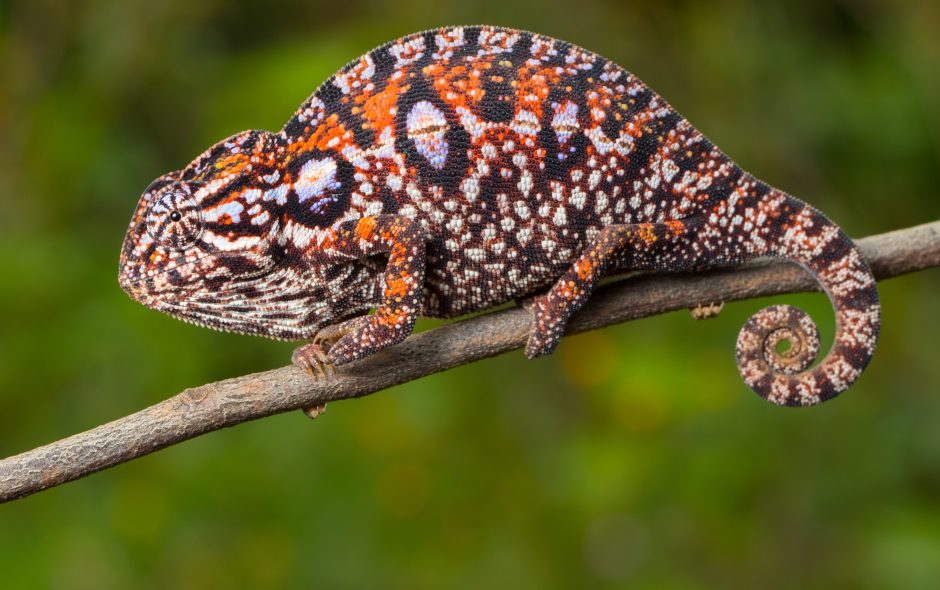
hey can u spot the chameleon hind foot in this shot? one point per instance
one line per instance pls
(706, 311)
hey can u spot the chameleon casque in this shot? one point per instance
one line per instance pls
(455, 169)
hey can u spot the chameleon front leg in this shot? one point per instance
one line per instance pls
(404, 240)
(624, 245)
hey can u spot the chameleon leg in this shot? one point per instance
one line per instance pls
(616, 246)
(402, 285)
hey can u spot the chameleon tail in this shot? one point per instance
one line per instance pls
(797, 232)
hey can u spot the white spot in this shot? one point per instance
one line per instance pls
(316, 177)
(260, 219)
(406, 52)
(470, 188)
(427, 127)
(271, 178)
(525, 123)
(524, 235)
(233, 209)
(251, 195)
(670, 168)
(278, 194)
(578, 197)
(454, 224)
(475, 254)
(525, 183)
(565, 121)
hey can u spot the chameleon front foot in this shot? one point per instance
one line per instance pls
(313, 411)
(313, 359)
(316, 357)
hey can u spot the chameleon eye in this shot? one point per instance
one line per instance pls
(174, 221)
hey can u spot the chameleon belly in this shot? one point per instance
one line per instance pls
(459, 168)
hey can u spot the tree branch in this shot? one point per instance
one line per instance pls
(210, 407)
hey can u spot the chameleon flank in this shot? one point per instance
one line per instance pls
(456, 169)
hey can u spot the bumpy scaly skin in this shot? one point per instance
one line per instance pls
(455, 169)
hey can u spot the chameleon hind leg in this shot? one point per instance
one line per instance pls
(623, 246)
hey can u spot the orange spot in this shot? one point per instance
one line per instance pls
(377, 108)
(676, 226)
(396, 286)
(329, 240)
(584, 269)
(388, 317)
(232, 164)
(572, 291)
(323, 138)
(365, 229)
(646, 233)
(398, 250)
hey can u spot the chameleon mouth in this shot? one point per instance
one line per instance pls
(217, 317)
(136, 284)
(219, 324)
(155, 287)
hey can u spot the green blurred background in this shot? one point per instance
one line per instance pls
(634, 457)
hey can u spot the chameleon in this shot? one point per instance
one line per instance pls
(457, 169)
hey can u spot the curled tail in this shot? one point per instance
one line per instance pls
(797, 232)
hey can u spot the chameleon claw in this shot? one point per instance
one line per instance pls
(706, 311)
(314, 411)
(313, 359)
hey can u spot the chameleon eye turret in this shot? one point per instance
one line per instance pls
(174, 220)
(459, 168)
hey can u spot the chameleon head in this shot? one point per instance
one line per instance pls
(194, 249)
(162, 246)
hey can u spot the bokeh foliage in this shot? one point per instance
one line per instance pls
(634, 457)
